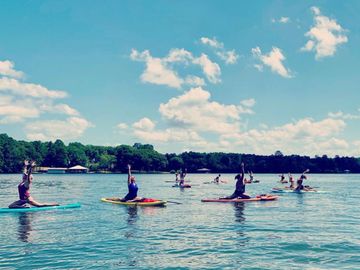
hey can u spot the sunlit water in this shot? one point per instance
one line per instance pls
(299, 231)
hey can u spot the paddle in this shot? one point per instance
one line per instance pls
(173, 202)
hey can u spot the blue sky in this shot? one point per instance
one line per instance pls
(234, 76)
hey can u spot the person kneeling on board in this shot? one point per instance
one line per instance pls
(239, 187)
(133, 189)
(24, 189)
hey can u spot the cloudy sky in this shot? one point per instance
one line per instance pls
(233, 76)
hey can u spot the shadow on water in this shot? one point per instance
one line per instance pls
(24, 229)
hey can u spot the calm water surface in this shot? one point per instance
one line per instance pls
(299, 231)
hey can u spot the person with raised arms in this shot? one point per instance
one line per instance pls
(300, 181)
(182, 177)
(251, 176)
(282, 179)
(24, 189)
(291, 181)
(239, 187)
(133, 189)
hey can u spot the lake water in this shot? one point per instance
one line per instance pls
(299, 231)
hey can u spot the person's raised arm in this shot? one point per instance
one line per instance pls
(26, 164)
(242, 171)
(129, 174)
(306, 171)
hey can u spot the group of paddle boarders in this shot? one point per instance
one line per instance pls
(180, 178)
(299, 183)
(25, 199)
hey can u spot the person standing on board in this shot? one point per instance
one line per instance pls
(239, 187)
(24, 189)
(132, 187)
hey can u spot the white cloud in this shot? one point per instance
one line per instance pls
(161, 70)
(168, 135)
(178, 55)
(230, 57)
(14, 111)
(59, 108)
(71, 128)
(157, 71)
(144, 124)
(28, 89)
(194, 80)
(282, 20)
(273, 59)
(194, 110)
(248, 102)
(20, 101)
(212, 42)
(345, 116)
(211, 69)
(7, 69)
(325, 36)
(305, 136)
(122, 126)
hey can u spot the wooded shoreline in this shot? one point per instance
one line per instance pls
(145, 159)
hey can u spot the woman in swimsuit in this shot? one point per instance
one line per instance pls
(132, 187)
(240, 186)
(24, 189)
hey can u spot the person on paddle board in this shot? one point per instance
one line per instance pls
(300, 181)
(182, 177)
(239, 187)
(282, 178)
(24, 189)
(132, 187)
(291, 181)
(217, 179)
(251, 175)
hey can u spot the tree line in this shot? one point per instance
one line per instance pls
(145, 158)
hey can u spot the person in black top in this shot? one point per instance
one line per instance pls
(239, 187)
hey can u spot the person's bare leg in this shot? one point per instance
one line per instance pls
(37, 204)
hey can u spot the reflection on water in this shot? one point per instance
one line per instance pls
(24, 229)
(132, 215)
(239, 212)
(240, 219)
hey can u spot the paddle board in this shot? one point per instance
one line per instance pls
(154, 202)
(255, 199)
(35, 209)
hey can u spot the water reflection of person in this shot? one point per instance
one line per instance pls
(25, 226)
(240, 218)
(131, 220)
(133, 215)
(239, 212)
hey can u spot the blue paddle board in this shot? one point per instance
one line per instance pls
(35, 209)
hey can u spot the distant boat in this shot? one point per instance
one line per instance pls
(203, 170)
